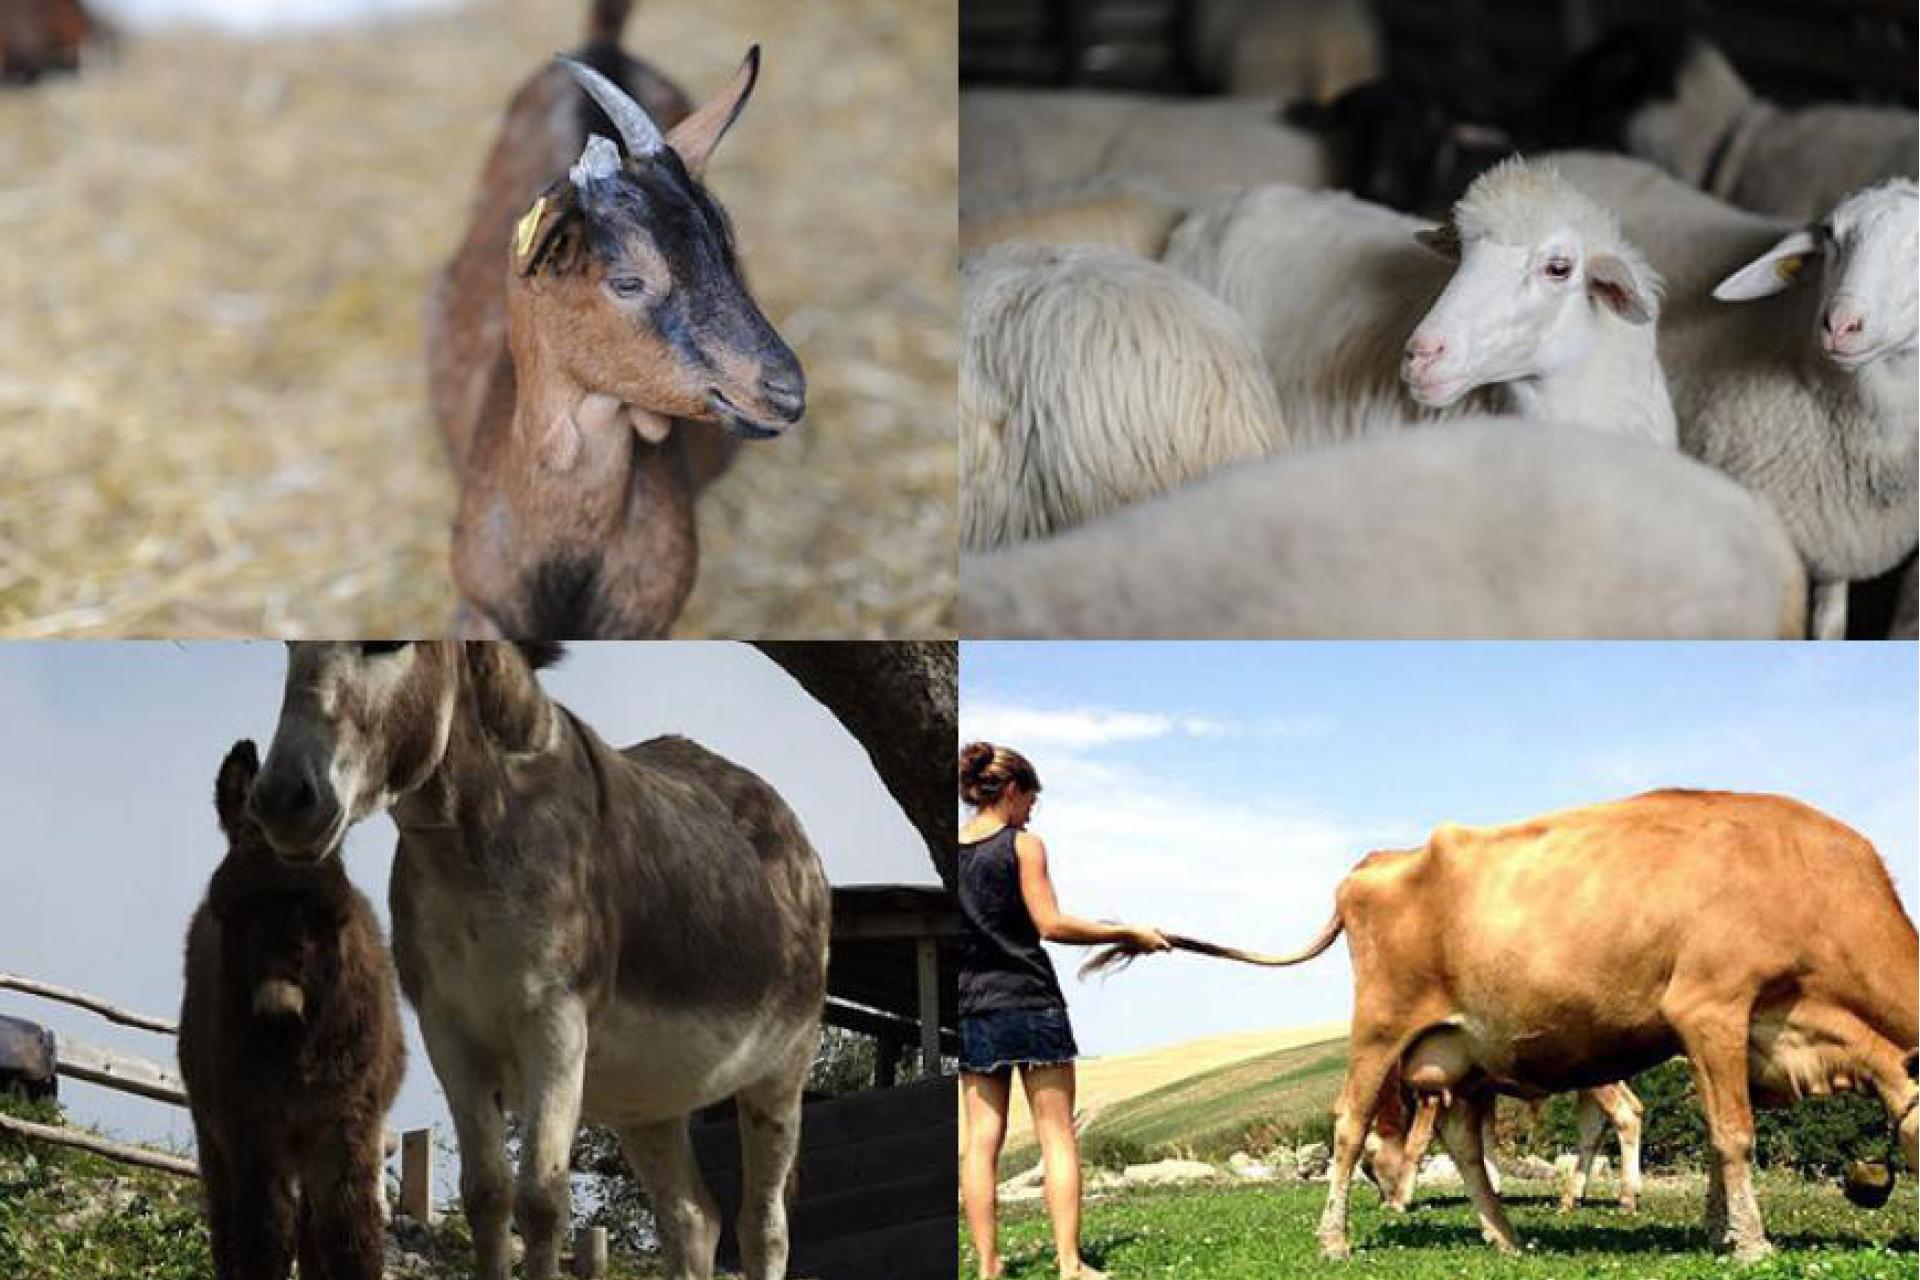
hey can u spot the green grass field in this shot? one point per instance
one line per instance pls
(1264, 1232)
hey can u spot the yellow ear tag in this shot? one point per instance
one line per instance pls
(1788, 268)
(524, 229)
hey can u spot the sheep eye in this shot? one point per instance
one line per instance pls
(627, 287)
(1558, 269)
(374, 648)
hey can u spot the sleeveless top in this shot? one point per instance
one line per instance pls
(1002, 965)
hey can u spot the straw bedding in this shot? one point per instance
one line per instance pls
(212, 259)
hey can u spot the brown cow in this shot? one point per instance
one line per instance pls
(1757, 936)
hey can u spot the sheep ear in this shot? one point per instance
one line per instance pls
(237, 773)
(695, 137)
(1613, 282)
(1443, 240)
(547, 230)
(1771, 272)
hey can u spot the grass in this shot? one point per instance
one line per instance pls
(1261, 1232)
(1246, 1105)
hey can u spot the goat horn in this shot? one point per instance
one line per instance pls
(636, 127)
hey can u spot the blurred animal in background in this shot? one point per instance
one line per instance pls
(1396, 142)
(40, 37)
(1671, 96)
(291, 1048)
(594, 355)
(1312, 49)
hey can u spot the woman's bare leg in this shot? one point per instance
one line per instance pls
(1050, 1098)
(984, 1113)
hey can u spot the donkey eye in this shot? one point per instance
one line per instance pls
(1558, 269)
(373, 648)
(627, 286)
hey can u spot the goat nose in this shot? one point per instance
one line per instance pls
(1843, 321)
(785, 392)
(1424, 349)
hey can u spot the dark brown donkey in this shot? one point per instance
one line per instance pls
(593, 353)
(291, 1048)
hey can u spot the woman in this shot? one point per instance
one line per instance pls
(1012, 1014)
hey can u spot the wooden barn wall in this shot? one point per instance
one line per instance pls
(1491, 56)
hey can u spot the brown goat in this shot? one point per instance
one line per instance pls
(291, 1048)
(39, 36)
(593, 354)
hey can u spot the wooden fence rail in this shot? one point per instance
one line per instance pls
(66, 995)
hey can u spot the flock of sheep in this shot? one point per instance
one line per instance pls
(1664, 393)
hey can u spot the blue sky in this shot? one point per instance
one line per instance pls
(1224, 789)
(107, 758)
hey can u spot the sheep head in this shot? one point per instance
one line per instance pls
(1863, 257)
(1540, 267)
(625, 286)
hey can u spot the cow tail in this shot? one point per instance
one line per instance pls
(1119, 956)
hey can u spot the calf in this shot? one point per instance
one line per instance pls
(291, 1048)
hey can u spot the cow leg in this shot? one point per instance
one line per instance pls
(689, 1224)
(1426, 1118)
(1461, 1130)
(479, 1126)
(1624, 1110)
(1591, 1122)
(769, 1142)
(1370, 1059)
(1717, 1053)
(1489, 1143)
(553, 1058)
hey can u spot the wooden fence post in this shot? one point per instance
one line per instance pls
(416, 1175)
(590, 1253)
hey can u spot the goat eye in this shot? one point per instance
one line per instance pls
(1558, 269)
(373, 648)
(627, 286)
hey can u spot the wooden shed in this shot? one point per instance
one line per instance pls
(877, 1180)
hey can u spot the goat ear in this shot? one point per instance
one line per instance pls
(547, 233)
(237, 773)
(1443, 240)
(695, 137)
(511, 707)
(1771, 272)
(1612, 281)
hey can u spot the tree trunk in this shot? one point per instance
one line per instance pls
(900, 700)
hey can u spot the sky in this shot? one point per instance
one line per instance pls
(107, 759)
(1222, 790)
(260, 16)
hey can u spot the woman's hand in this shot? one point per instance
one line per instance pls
(1145, 939)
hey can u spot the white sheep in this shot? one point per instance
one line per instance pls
(1285, 48)
(1490, 527)
(1546, 302)
(1015, 143)
(1806, 391)
(1089, 380)
(1112, 211)
(1699, 120)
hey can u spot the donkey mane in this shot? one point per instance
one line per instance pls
(541, 654)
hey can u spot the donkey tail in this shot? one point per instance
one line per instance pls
(607, 19)
(1120, 955)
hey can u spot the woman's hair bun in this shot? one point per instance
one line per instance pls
(975, 759)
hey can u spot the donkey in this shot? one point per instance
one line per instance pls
(623, 935)
(291, 1048)
(593, 354)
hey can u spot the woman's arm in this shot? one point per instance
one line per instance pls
(1055, 925)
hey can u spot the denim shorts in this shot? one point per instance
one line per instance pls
(1000, 1040)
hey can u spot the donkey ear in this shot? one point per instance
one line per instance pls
(1443, 240)
(237, 773)
(695, 137)
(548, 232)
(1771, 272)
(1614, 283)
(512, 709)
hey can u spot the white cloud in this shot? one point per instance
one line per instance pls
(1035, 729)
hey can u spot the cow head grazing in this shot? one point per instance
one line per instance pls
(624, 284)
(1542, 269)
(1863, 257)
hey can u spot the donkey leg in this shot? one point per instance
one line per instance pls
(216, 1187)
(689, 1223)
(479, 1126)
(343, 1207)
(769, 1142)
(553, 1059)
(264, 1209)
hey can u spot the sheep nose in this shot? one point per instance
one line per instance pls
(1423, 349)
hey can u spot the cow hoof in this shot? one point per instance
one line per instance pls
(1629, 1205)
(1566, 1206)
(1335, 1248)
(1752, 1251)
